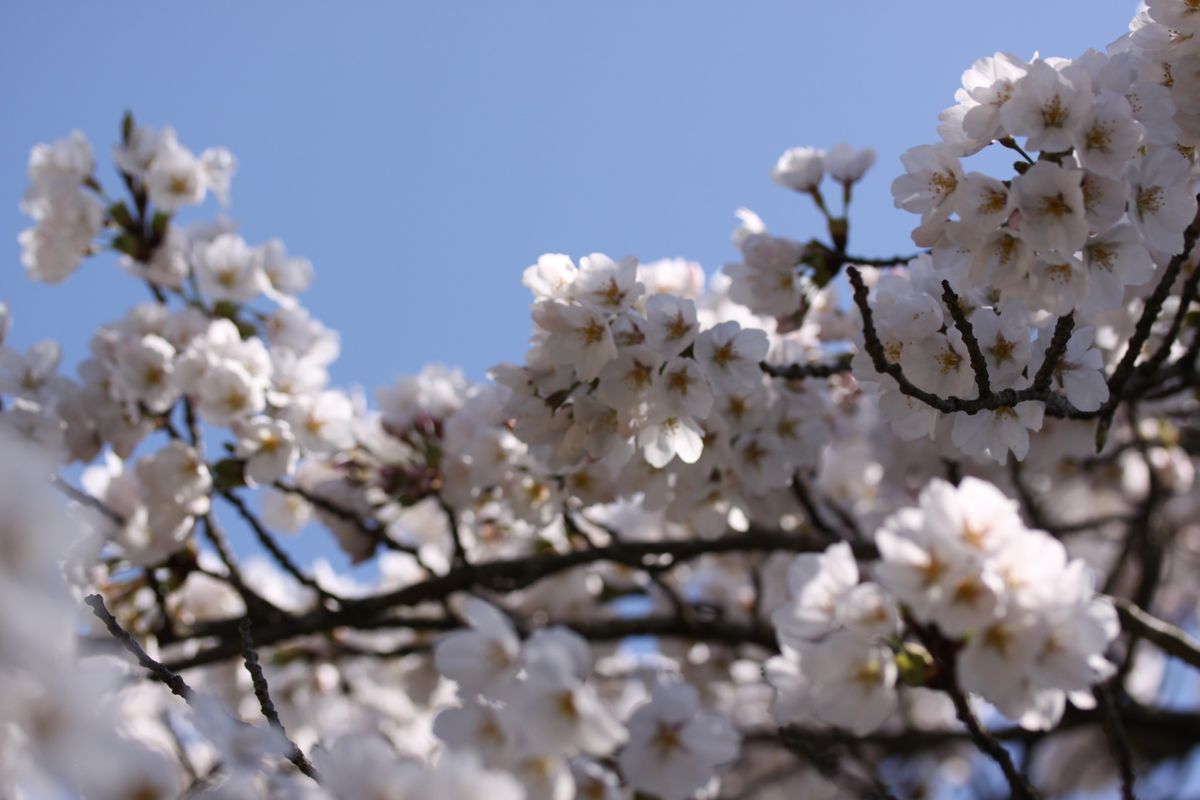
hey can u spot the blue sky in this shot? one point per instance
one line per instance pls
(423, 154)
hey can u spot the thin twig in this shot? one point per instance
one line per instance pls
(815, 517)
(156, 669)
(1150, 311)
(460, 551)
(682, 608)
(1054, 353)
(262, 692)
(1168, 638)
(1159, 357)
(369, 528)
(89, 500)
(217, 538)
(1118, 738)
(1055, 405)
(193, 427)
(165, 630)
(1020, 785)
(180, 748)
(978, 362)
(278, 553)
(794, 372)
(892, 261)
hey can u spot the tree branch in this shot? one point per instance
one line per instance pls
(795, 372)
(1020, 785)
(1141, 332)
(1118, 738)
(1168, 638)
(1054, 353)
(262, 692)
(978, 362)
(504, 575)
(278, 553)
(157, 670)
(1056, 406)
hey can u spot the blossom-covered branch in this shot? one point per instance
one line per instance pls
(729, 533)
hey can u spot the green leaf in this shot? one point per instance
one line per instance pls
(227, 309)
(159, 224)
(127, 127)
(127, 244)
(228, 473)
(247, 330)
(915, 664)
(120, 215)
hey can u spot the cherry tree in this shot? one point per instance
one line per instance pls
(821, 525)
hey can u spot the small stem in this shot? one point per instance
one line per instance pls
(1011, 144)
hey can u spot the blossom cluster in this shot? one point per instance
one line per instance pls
(530, 708)
(659, 392)
(1097, 207)
(1031, 629)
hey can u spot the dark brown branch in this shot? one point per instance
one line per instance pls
(1168, 638)
(1186, 297)
(165, 628)
(278, 553)
(1118, 738)
(1054, 353)
(368, 528)
(1055, 405)
(1156, 733)
(253, 601)
(460, 550)
(893, 261)
(193, 427)
(815, 517)
(1033, 509)
(157, 670)
(1141, 333)
(262, 692)
(507, 575)
(1036, 515)
(945, 654)
(795, 372)
(652, 572)
(978, 362)
(1020, 785)
(85, 499)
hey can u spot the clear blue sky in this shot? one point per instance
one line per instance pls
(423, 154)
